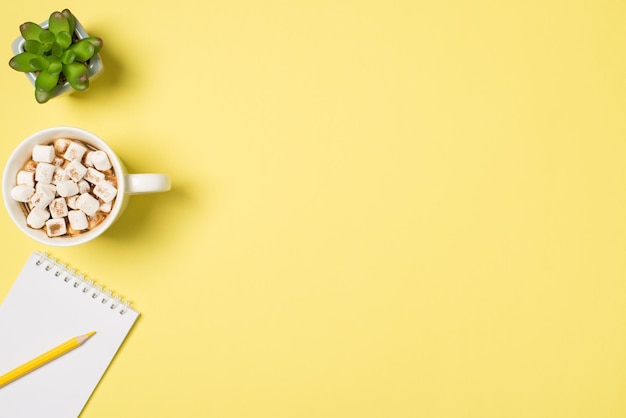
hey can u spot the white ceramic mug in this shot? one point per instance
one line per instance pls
(127, 184)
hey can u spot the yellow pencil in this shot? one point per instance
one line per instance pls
(43, 359)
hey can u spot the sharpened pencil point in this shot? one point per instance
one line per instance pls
(82, 338)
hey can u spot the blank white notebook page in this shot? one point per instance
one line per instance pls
(47, 305)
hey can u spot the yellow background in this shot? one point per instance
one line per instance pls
(379, 209)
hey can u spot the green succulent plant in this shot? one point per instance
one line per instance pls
(55, 55)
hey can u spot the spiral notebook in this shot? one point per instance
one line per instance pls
(47, 305)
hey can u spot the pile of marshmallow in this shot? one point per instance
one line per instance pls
(67, 187)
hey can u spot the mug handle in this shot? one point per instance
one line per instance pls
(147, 183)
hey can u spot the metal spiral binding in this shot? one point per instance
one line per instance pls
(88, 287)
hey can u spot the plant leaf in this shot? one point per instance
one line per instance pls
(39, 63)
(68, 56)
(34, 46)
(22, 62)
(55, 66)
(43, 96)
(30, 31)
(95, 42)
(71, 20)
(57, 50)
(58, 23)
(64, 39)
(83, 50)
(46, 81)
(77, 75)
(46, 37)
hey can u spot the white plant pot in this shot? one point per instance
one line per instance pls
(94, 69)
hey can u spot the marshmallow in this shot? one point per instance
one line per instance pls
(56, 227)
(87, 160)
(67, 188)
(58, 208)
(78, 220)
(49, 188)
(27, 178)
(61, 144)
(37, 217)
(22, 193)
(43, 153)
(100, 160)
(106, 207)
(75, 151)
(83, 187)
(75, 170)
(71, 201)
(93, 176)
(95, 220)
(59, 175)
(87, 203)
(42, 197)
(30, 166)
(44, 172)
(105, 191)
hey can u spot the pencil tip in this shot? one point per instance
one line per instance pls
(82, 338)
